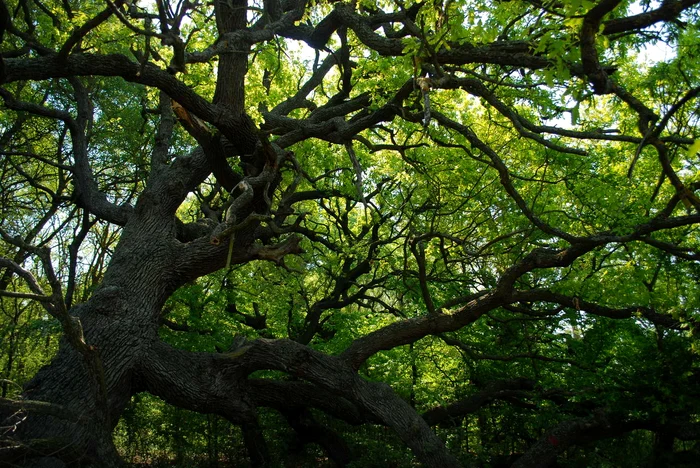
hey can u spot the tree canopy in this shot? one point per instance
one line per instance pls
(327, 233)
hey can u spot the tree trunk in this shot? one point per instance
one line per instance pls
(120, 323)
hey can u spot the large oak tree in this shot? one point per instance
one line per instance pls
(501, 196)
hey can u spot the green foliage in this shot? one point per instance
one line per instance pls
(568, 204)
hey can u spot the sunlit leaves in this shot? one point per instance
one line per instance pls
(523, 163)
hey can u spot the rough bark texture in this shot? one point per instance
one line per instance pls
(112, 348)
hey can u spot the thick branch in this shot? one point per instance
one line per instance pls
(502, 389)
(236, 127)
(183, 378)
(668, 11)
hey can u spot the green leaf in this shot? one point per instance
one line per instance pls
(694, 148)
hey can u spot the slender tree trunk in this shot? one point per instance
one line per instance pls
(11, 347)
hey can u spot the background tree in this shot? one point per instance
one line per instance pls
(472, 223)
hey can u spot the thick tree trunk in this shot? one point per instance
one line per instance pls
(118, 321)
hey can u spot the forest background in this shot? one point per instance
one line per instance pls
(317, 233)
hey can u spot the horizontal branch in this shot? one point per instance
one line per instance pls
(497, 390)
(118, 65)
(541, 295)
(668, 11)
(196, 380)
(42, 407)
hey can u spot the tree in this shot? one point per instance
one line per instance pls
(473, 223)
